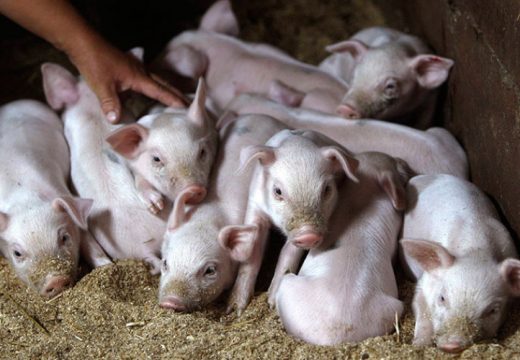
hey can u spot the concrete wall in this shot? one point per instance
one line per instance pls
(482, 106)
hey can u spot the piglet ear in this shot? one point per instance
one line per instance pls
(186, 61)
(285, 94)
(59, 85)
(220, 18)
(431, 70)
(394, 187)
(429, 255)
(510, 271)
(77, 208)
(197, 111)
(239, 240)
(191, 194)
(127, 139)
(4, 221)
(342, 160)
(137, 53)
(262, 153)
(356, 48)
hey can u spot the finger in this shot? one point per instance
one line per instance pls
(159, 92)
(170, 88)
(109, 102)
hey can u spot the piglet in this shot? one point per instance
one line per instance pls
(294, 187)
(464, 258)
(169, 150)
(427, 152)
(119, 221)
(203, 246)
(391, 76)
(40, 221)
(232, 66)
(220, 18)
(346, 290)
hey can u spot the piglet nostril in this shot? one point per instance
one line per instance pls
(56, 285)
(348, 112)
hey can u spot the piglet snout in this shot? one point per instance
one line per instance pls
(348, 112)
(55, 285)
(196, 192)
(307, 238)
(173, 303)
(452, 347)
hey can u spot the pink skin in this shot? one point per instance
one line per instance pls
(294, 187)
(220, 18)
(392, 76)
(39, 219)
(204, 245)
(168, 150)
(232, 66)
(119, 221)
(427, 152)
(464, 260)
(346, 290)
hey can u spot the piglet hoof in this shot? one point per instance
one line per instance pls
(153, 201)
(271, 300)
(236, 304)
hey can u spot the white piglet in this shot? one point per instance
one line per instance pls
(391, 76)
(294, 187)
(169, 151)
(119, 221)
(346, 290)
(40, 220)
(464, 258)
(203, 246)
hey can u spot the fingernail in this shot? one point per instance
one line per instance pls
(112, 116)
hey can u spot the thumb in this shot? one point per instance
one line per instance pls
(109, 101)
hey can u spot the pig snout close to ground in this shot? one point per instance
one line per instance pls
(169, 151)
(346, 289)
(203, 245)
(433, 151)
(294, 187)
(40, 221)
(119, 221)
(391, 76)
(464, 260)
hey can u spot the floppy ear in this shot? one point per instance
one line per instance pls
(355, 48)
(59, 85)
(342, 160)
(431, 70)
(197, 111)
(264, 154)
(4, 221)
(429, 255)
(285, 94)
(510, 271)
(127, 139)
(77, 208)
(178, 214)
(186, 61)
(238, 240)
(394, 187)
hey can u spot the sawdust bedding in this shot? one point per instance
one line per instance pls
(112, 312)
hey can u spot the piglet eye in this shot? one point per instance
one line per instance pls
(442, 300)
(327, 191)
(65, 238)
(164, 265)
(17, 254)
(491, 311)
(210, 271)
(202, 154)
(156, 159)
(278, 195)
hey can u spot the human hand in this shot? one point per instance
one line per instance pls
(109, 71)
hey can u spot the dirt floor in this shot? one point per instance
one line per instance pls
(112, 312)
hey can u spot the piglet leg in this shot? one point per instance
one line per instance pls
(149, 195)
(423, 333)
(288, 262)
(92, 252)
(248, 271)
